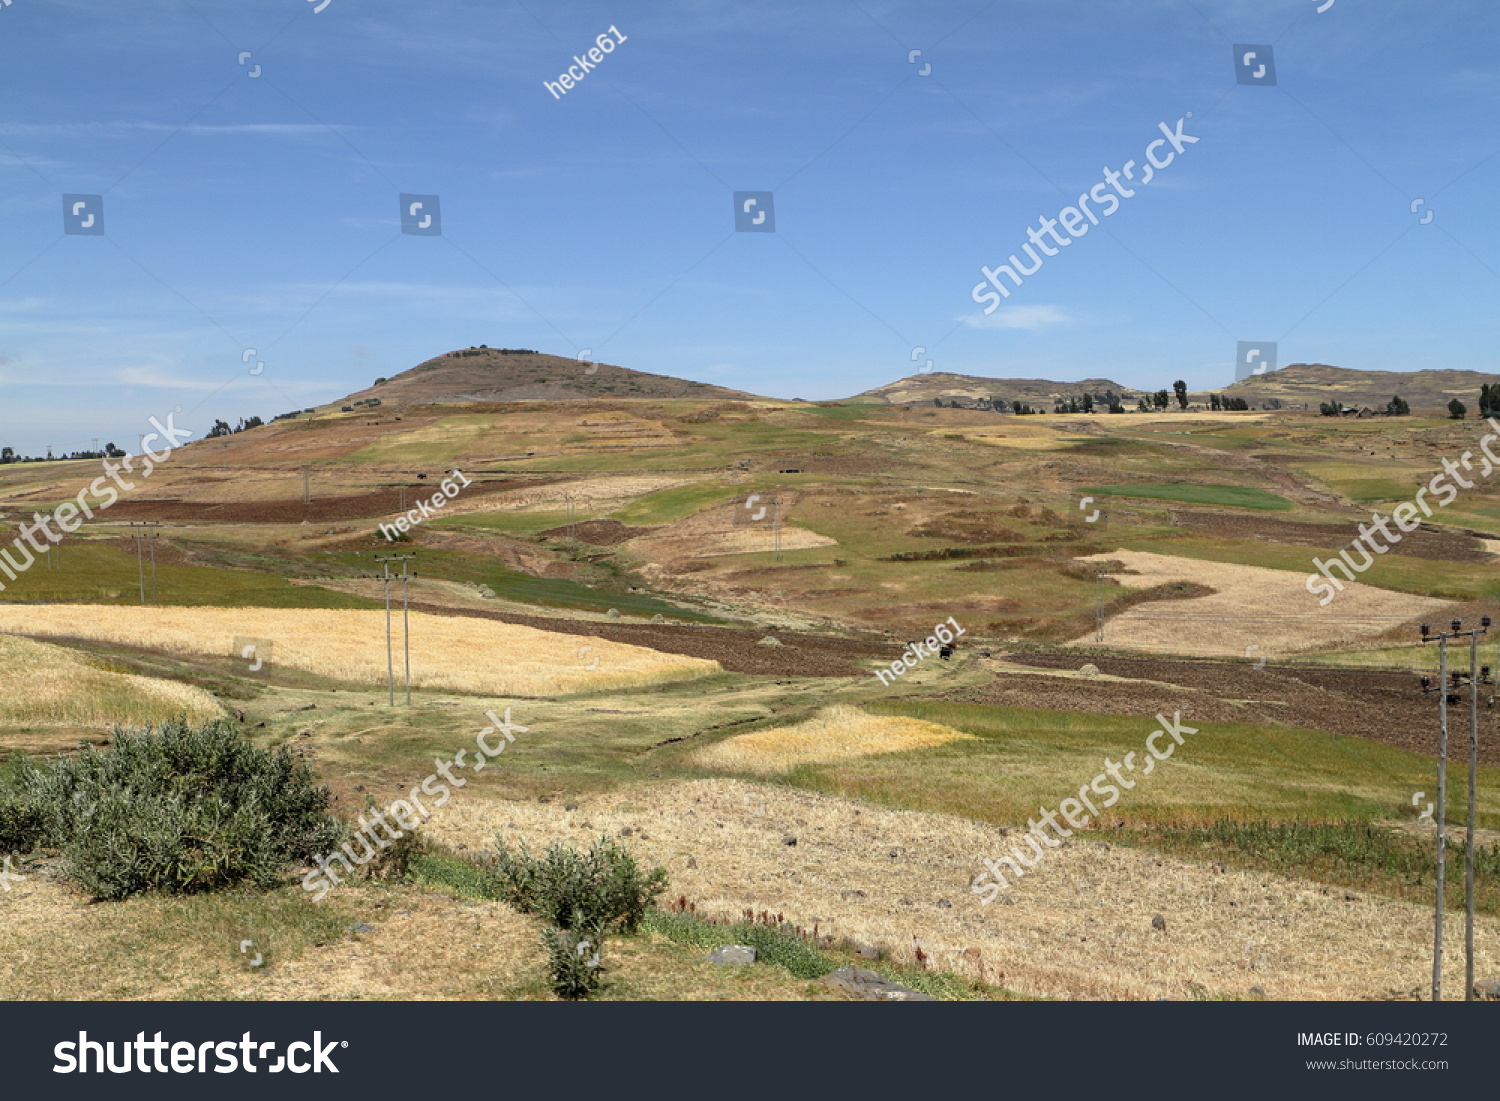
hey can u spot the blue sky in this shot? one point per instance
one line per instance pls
(262, 212)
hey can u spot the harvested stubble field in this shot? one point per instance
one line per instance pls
(725, 531)
(42, 685)
(1251, 606)
(836, 733)
(420, 946)
(463, 654)
(1079, 925)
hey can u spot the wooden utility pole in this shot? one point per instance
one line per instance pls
(390, 675)
(149, 535)
(1099, 606)
(1447, 694)
(776, 524)
(1469, 831)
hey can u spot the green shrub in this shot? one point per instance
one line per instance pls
(771, 944)
(178, 808)
(573, 959)
(396, 861)
(601, 889)
(22, 823)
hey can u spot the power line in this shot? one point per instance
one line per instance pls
(390, 676)
(142, 538)
(1445, 692)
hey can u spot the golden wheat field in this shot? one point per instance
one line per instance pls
(459, 654)
(1250, 606)
(45, 685)
(832, 735)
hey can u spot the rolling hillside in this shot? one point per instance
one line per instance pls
(1312, 383)
(489, 374)
(923, 388)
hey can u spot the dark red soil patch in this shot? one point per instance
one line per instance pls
(968, 527)
(597, 533)
(1384, 707)
(736, 649)
(1424, 542)
(364, 506)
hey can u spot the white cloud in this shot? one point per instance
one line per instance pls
(1030, 318)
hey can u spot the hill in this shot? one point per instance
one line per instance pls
(491, 374)
(1312, 383)
(923, 388)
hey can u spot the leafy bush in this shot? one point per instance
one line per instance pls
(771, 944)
(573, 959)
(583, 896)
(178, 808)
(600, 889)
(396, 861)
(22, 823)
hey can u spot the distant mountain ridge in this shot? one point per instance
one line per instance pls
(1313, 383)
(493, 374)
(922, 389)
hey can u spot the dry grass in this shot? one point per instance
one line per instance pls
(457, 654)
(54, 946)
(836, 733)
(1027, 437)
(1251, 606)
(593, 491)
(46, 685)
(721, 531)
(1079, 926)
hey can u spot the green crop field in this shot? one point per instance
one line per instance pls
(1203, 493)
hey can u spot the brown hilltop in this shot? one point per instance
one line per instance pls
(493, 374)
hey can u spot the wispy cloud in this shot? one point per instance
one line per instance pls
(125, 129)
(1029, 318)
